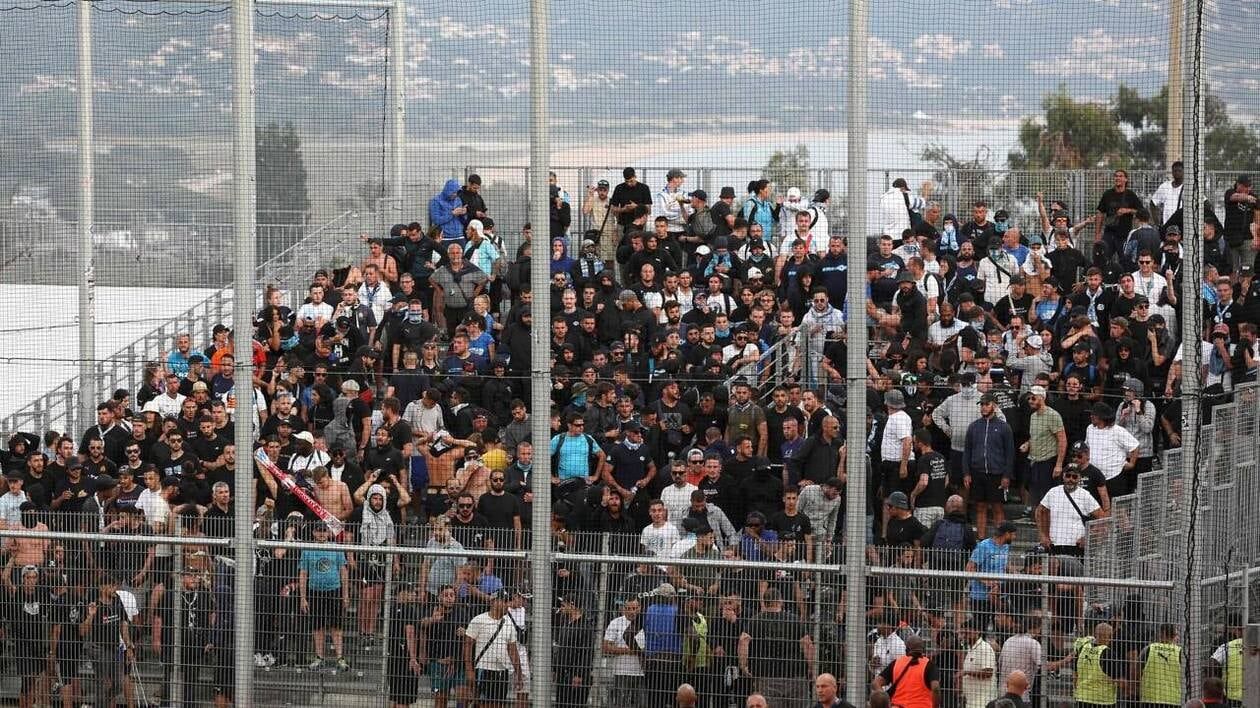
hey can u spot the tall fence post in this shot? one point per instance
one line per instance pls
(87, 215)
(1192, 330)
(539, 200)
(244, 241)
(855, 364)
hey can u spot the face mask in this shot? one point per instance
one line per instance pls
(949, 228)
(415, 317)
(1000, 227)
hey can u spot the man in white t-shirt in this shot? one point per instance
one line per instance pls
(1062, 513)
(1112, 449)
(659, 536)
(492, 663)
(677, 497)
(895, 447)
(626, 650)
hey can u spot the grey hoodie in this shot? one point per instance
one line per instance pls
(956, 413)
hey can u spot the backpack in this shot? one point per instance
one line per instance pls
(950, 534)
(702, 224)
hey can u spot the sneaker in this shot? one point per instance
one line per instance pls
(259, 662)
(268, 661)
(342, 664)
(315, 663)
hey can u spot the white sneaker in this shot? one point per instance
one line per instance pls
(269, 661)
(259, 661)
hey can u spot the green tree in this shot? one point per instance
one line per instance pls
(1072, 135)
(1227, 145)
(281, 176)
(789, 168)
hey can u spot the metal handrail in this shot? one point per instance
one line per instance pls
(61, 402)
(771, 364)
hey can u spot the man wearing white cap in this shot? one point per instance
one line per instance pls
(1046, 446)
(1031, 361)
(793, 204)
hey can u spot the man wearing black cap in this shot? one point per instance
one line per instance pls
(631, 202)
(723, 212)
(1242, 213)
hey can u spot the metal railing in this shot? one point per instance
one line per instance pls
(289, 269)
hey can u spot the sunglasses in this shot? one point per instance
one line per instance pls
(496, 479)
(464, 506)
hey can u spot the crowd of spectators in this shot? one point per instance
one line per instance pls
(1021, 377)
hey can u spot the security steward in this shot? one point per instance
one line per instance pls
(1160, 666)
(911, 680)
(1098, 669)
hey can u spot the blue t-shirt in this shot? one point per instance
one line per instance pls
(750, 550)
(660, 629)
(323, 569)
(989, 557)
(480, 347)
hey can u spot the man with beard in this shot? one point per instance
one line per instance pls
(1063, 513)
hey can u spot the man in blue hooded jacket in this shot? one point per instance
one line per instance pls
(446, 211)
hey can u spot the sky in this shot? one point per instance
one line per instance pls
(619, 71)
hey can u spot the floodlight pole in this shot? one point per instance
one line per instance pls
(538, 191)
(855, 363)
(87, 215)
(397, 95)
(1173, 145)
(246, 236)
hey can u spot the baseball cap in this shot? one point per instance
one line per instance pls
(988, 398)
(1039, 391)
(344, 322)
(898, 500)
(675, 173)
(894, 399)
(754, 273)
(1134, 385)
(602, 184)
(628, 172)
(306, 436)
(1080, 446)
(367, 351)
(350, 385)
(701, 195)
(1005, 527)
(1034, 341)
(200, 386)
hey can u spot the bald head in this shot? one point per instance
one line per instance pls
(878, 699)
(915, 646)
(1017, 682)
(756, 700)
(685, 697)
(826, 688)
(1103, 633)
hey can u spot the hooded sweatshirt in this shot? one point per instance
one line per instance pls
(442, 212)
(377, 528)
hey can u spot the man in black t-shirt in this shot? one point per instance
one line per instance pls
(29, 613)
(1240, 213)
(1116, 208)
(796, 533)
(773, 650)
(441, 643)
(502, 512)
(723, 212)
(103, 627)
(631, 201)
(1092, 479)
(929, 494)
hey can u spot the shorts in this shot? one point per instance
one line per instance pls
(494, 685)
(439, 683)
(68, 656)
(986, 488)
(373, 573)
(327, 609)
(955, 468)
(30, 660)
(525, 674)
(403, 686)
(892, 480)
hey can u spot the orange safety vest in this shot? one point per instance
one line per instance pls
(908, 689)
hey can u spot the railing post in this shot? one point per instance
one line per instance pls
(601, 604)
